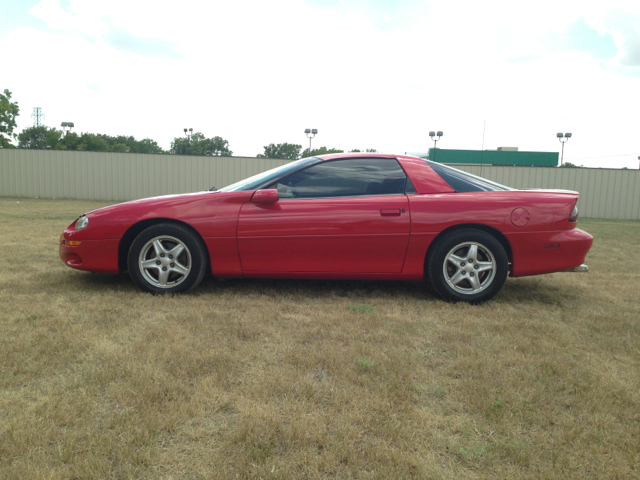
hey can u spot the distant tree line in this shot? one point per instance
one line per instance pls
(292, 151)
(52, 138)
(198, 144)
(45, 137)
(42, 137)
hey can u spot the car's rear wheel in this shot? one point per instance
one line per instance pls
(167, 258)
(468, 265)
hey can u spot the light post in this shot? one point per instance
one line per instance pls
(435, 136)
(66, 126)
(563, 139)
(311, 132)
(188, 139)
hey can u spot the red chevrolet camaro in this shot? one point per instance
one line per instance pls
(354, 216)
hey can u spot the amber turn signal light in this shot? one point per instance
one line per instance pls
(72, 243)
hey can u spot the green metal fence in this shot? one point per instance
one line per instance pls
(494, 157)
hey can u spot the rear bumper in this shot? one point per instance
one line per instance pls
(579, 269)
(535, 253)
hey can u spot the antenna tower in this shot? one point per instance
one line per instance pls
(37, 116)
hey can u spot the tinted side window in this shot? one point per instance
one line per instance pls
(409, 189)
(345, 178)
(465, 182)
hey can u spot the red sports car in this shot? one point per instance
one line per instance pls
(354, 216)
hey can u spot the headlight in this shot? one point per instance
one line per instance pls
(82, 222)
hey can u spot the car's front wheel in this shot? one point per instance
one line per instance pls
(167, 258)
(467, 265)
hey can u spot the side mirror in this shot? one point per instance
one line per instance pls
(268, 195)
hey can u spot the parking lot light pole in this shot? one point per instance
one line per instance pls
(188, 140)
(66, 126)
(435, 136)
(563, 139)
(311, 132)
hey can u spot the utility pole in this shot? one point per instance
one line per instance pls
(37, 116)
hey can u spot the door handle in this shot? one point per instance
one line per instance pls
(390, 212)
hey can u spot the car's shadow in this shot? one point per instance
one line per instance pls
(301, 288)
(540, 290)
(528, 290)
(102, 281)
(318, 288)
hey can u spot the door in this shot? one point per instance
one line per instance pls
(343, 216)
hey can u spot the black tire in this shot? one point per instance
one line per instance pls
(167, 258)
(467, 266)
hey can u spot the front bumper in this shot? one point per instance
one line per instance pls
(90, 255)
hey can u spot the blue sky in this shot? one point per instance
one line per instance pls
(16, 13)
(368, 74)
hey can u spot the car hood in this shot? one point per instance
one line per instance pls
(150, 202)
(194, 209)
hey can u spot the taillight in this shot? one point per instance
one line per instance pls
(574, 214)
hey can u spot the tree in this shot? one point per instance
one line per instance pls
(33, 137)
(122, 143)
(41, 137)
(180, 146)
(320, 151)
(201, 145)
(217, 147)
(53, 138)
(147, 145)
(70, 141)
(120, 147)
(8, 112)
(570, 165)
(92, 143)
(285, 151)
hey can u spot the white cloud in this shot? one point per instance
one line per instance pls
(620, 19)
(257, 72)
(78, 18)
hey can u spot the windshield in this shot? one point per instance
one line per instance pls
(265, 178)
(465, 182)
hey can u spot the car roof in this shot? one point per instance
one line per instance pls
(335, 156)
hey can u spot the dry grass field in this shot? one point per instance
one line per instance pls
(313, 379)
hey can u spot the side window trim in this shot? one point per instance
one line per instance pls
(345, 196)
